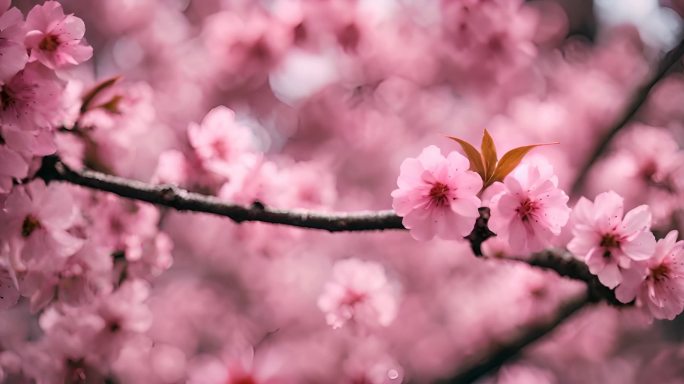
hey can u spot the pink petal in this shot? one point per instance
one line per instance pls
(421, 224)
(608, 210)
(638, 219)
(431, 158)
(11, 164)
(14, 59)
(583, 212)
(72, 28)
(410, 173)
(458, 162)
(610, 276)
(466, 206)
(641, 247)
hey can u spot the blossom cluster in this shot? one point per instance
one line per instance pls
(439, 196)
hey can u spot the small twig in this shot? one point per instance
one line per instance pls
(492, 360)
(481, 231)
(638, 99)
(566, 265)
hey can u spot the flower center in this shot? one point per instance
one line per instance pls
(526, 208)
(29, 225)
(6, 98)
(246, 379)
(49, 43)
(660, 272)
(353, 298)
(439, 194)
(610, 240)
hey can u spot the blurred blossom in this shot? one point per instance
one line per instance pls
(359, 292)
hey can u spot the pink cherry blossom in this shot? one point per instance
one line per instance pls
(658, 285)
(531, 210)
(437, 195)
(35, 223)
(55, 39)
(13, 55)
(360, 292)
(220, 142)
(606, 241)
(31, 99)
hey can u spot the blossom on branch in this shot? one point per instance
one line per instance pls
(53, 38)
(437, 195)
(531, 210)
(658, 283)
(606, 241)
(35, 223)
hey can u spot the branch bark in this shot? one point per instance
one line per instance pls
(494, 358)
(635, 104)
(173, 197)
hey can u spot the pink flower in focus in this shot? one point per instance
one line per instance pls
(359, 291)
(531, 210)
(607, 242)
(54, 38)
(13, 55)
(437, 195)
(660, 286)
(219, 142)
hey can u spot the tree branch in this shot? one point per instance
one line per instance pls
(182, 200)
(635, 104)
(493, 359)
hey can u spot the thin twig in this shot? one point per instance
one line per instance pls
(493, 359)
(638, 99)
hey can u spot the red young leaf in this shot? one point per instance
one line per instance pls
(489, 155)
(473, 155)
(510, 160)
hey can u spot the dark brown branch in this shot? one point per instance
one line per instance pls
(566, 265)
(182, 200)
(481, 231)
(493, 359)
(638, 99)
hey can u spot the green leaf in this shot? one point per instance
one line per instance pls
(473, 155)
(489, 155)
(511, 160)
